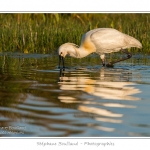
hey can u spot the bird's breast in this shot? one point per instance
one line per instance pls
(89, 46)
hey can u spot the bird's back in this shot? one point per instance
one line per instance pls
(107, 40)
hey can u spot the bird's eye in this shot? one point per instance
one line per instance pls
(61, 53)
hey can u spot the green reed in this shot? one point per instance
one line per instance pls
(44, 33)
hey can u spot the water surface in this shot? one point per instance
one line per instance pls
(84, 100)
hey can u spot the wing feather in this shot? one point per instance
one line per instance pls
(107, 40)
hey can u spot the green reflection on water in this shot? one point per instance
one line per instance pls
(33, 90)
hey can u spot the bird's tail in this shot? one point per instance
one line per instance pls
(134, 43)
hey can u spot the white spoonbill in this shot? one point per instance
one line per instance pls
(100, 41)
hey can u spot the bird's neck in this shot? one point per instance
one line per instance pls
(82, 52)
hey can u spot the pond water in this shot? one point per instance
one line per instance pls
(84, 100)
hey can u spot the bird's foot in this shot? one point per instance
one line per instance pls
(103, 64)
(110, 65)
(129, 55)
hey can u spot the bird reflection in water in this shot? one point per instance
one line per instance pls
(99, 95)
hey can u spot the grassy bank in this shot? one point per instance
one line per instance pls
(44, 33)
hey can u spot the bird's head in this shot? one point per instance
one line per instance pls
(67, 49)
(62, 51)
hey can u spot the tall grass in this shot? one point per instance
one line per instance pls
(44, 33)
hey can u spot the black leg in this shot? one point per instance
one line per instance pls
(103, 62)
(129, 55)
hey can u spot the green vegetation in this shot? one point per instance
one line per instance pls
(44, 33)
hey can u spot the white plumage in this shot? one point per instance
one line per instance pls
(100, 41)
